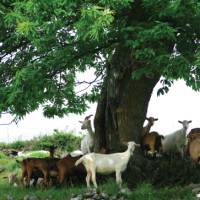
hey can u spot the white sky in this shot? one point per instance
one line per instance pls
(180, 103)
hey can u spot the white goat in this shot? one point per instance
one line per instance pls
(175, 142)
(106, 164)
(87, 143)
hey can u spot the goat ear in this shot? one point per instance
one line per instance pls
(156, 119)
(80, 122)
(189, 121)
(146, 118)
(180, 121)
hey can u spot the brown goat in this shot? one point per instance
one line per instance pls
(193, 134)
(146, 129)
(194, 130)
(194, 150)
(150, 123)
(38, 167)
(66, 167)
(152, 143)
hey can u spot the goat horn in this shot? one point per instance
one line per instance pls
(88, 116)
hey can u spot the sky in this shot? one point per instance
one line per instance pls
(180, 103)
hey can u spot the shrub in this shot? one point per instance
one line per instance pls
(60, 139)
(162, 172)
(18, 145)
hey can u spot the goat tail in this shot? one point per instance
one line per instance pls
(79, 161)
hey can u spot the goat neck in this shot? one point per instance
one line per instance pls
(184, 130)
(128, 152)
(147, 128)
(89, 128)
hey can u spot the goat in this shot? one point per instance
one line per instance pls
(66, 167)
(38, 168)
(194, 130)
(194, 149)
(175, 142)
(152, 144)
(106, 164)
(193, 134)
(87, 142)
(150, 123)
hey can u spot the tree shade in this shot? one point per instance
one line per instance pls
(44, 44)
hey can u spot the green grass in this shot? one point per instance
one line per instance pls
(20, 192)
(36, 154)
(144, 191)
(9, 165)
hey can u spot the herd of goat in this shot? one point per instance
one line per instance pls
(86, 163)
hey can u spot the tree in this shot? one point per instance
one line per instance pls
(131, 44)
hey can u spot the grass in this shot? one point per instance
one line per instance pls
(144, 191)
(20, 192)
(36, 154)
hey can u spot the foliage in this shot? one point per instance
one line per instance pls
(61, 140)
(19, 144)
(45, 44)
(164, 172)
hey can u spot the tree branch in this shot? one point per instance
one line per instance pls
(15, 120)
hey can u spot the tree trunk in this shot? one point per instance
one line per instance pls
(123, 104)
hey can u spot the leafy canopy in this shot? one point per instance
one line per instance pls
(45, 44)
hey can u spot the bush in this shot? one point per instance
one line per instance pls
(162, 172)
(59, 139)
(18, 145)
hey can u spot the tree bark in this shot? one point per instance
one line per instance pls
(123, 104)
